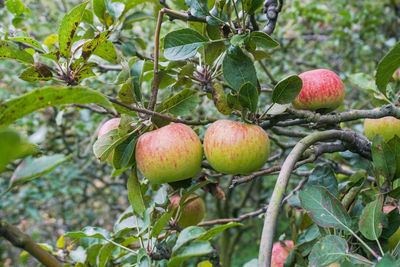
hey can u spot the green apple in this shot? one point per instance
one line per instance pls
(386, 126)
(169, 154)
(280, 253)
(193, 212)
(236, 148)
(322, 90)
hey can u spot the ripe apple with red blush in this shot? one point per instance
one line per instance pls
(236, 148)
(322, 91)
(280, 253)
(193, 211)
(169, 154)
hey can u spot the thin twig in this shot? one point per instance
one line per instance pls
(159, 115)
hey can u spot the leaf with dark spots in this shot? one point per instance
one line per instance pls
(38, 72)
(12, 51)
(90, 47)
(324, 208)
(370, 223)
(68, 27)
(49, 96)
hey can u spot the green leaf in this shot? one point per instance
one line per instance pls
(16, 7)
(161, 222)
(29, 41)
(195, 249)
(213, 51)
(103, 147)
(125, 93)
(328, 250)
(238, 68)
(124, 153)
(106, 51)
(89, 231)
(324, 208)
(364, 82)
(182, 44)
(99, 9)
(78, 255)
(386, 67)
(68, 27)
(85, 72)
(216, 230)
(394, 145)
(12, 51)
(137, 71)
(182, 103)
(309, 234)
(188, 234)
(248, 96)
(198, 8)
(370, 223)
(383, 158)
(105, 254)
(13, 146)
(220, 99)
(263, 40)
(388, 261)
(135, 194)
(32, 168)
(44, 97)
(239, 39)
(91, 46)
(323, 175)
(287, 89)
(250, 6)
(36, 73)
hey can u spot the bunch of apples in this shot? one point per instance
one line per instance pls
(174, 152)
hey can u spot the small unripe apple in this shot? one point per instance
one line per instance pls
(396, 75)
(192, 213)
(108, 126)
(236, 148)
(322, 90)
(386, 126)
(280, 253)
(169, 154)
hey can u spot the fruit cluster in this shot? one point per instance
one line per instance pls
(174, 152)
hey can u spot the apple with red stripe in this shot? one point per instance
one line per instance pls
(169, 154)
(236, 148)
(322, 91)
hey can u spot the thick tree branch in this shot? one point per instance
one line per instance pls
(23, 241)
(348, 137)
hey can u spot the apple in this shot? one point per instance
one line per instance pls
(236, 148)
(280, 253)
(396, 75)
(192, 213)
(108, 126)
(386, 126)
(169, 154)
(323, 90)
